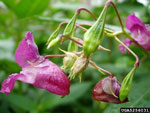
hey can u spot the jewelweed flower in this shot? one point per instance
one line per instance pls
(36, 70)
(107, 90)
(139, 32)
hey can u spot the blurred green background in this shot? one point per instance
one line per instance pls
(42, 17)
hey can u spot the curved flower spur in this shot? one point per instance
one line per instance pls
(36, 70)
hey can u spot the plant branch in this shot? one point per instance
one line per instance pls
(61, 55)
(80, 9)
(136, 57)
(100, 69)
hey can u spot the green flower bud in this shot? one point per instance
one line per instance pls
(53, 42)
(126, 85)
(68, 60)
(79, 66)
(70, 26)
(94, 35)
(53, 35)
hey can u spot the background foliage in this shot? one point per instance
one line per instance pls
(42, 17)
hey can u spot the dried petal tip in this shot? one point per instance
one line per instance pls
(107, 90)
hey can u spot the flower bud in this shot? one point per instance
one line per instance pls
(70, 26)
(80, 65)
(68, 62)
(53, 35)
(53, 42)
(126, 85)
(94, 35)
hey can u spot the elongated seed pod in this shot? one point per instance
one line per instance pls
(53, 35)
(126, 85)
(94, 36)
(70, 26)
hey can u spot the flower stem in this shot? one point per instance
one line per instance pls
(80, 9)
(116, 10)
(80, 42)
(137, 58)
(100, 69)
(77, 25)
(62, 55)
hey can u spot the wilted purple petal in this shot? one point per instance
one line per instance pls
(107, 90)
(27, 51)
(127, 42)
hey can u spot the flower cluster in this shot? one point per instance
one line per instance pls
(44, 74)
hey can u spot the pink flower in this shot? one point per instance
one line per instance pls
(139, 31)
(36, 70)
(107, 90)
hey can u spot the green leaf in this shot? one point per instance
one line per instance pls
(21, 101)
(25, 8)
(77, 90)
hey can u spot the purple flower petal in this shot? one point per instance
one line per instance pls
(52, 78)
(9, 83)
(133, 21)
(27, 51)
(127, 42)
(36, 70)
(139, 32)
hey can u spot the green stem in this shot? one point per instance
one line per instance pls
(62, 55)
(136, 57)
(80, 9)
(100, 69)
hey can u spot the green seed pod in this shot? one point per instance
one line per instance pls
(70, 26)
(126, 85)
(94, 35)
(68, 61)
(53, 35)
(72, 45)
(79, 66)
(53, 42)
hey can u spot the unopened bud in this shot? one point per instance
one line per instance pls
(126, 85)
(70, 26)
(68, 61)
(53, 42)
(79, 66)
(94, 36)
(53, 35)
